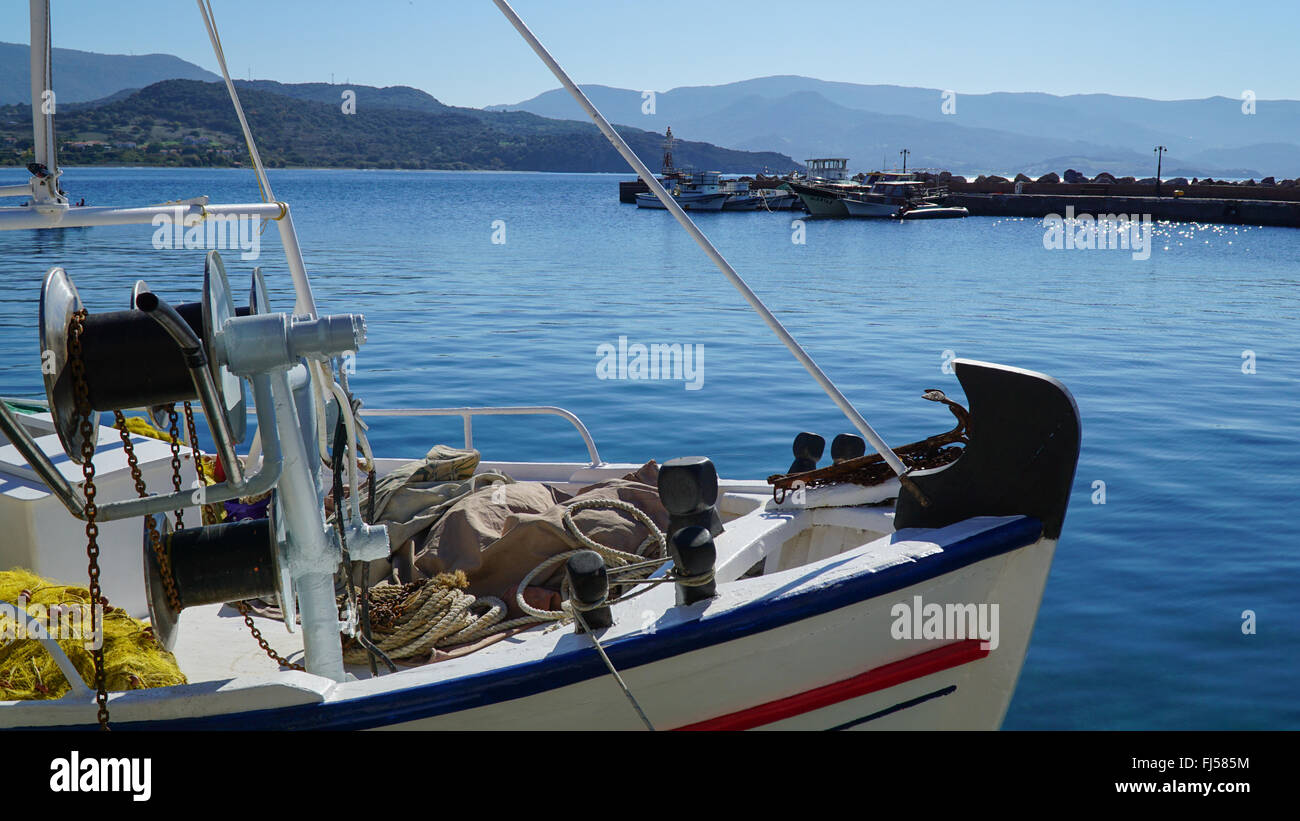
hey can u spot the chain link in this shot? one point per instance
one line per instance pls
(243, 607)
(89, 434)
(151, 524)
(206, 515)
(246, 612)
(174, 430)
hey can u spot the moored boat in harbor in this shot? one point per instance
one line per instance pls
(825, 186)
(699, 191)
(801, 600)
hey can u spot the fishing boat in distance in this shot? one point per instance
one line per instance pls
(824, 187)
(902, 195)
(891, 588)
(698, 191)
(740, 198)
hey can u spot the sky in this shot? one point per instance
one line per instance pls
(465, 53)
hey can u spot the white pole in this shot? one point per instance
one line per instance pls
(16, 218)
(673, 208)
(47, 190)
(312, 559)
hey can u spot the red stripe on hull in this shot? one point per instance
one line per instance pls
(880, 678)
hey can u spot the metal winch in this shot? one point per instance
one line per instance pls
(154, 355)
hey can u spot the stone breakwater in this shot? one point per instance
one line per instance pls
(1175, 209)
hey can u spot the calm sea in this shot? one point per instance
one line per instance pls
(1141, 622)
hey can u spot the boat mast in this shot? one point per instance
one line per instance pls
(45, 172)
(669, 203)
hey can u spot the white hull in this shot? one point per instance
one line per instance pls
(811, 633)
(688, 202)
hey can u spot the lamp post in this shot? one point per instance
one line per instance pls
(905, 152)
(1160, 153)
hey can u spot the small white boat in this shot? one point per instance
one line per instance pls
(891, 590)
(930, 211)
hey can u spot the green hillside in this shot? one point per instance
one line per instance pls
(192, 123)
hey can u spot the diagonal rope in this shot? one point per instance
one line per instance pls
(210, 20)
(840, 400)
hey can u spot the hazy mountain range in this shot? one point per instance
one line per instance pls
(80, 76)
(190, 122)
(778, 117)
(1003, 132)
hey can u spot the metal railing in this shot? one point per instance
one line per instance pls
(468, 414)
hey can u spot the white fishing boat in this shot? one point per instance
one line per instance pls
(897, 589)
(700, 191)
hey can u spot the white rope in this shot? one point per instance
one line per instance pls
(614, 559)
(210, 21)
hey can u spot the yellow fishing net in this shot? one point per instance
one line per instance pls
(133, 659)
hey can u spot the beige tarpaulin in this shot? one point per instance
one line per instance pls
(499, 532)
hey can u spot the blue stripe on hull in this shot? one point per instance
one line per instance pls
(529, 678)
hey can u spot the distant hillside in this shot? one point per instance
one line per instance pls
(80, 76)
(189, 123)
(390, 97)
(1005, 132)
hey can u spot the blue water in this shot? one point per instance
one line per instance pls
(1141, 622)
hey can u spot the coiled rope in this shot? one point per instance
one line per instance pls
(415, 619)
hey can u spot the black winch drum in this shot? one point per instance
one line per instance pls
(210, 565)
(192, 313)
(130, 361)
